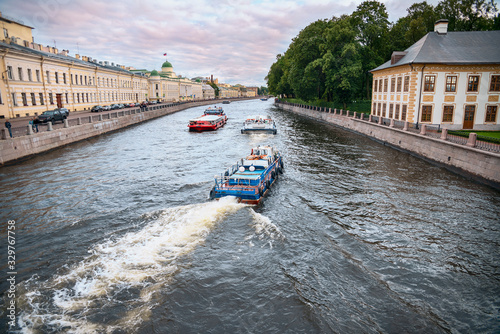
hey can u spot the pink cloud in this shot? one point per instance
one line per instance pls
(236, 41)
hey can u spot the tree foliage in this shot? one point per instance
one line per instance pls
(330, 59)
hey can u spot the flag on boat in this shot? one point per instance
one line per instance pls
(164, 54)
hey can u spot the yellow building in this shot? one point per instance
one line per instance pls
(450, 79)
(37, 78)
(167, 86)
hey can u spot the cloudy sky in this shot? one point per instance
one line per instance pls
(235, 40)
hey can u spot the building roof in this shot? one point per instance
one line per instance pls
(452, 48)
(166, 64)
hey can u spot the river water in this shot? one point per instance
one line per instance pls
(116, 235)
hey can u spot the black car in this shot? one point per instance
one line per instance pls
(51, 116)
(96, 109)
(63, 111)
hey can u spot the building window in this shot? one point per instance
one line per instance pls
(448, 114)
(33, 99)
(37, 72)
(374, 108)
(379, 109)
(86, 81)
(495, 83)
(491, 113)
(429, 83)
(9, 73)
(57, 77)
(399, 84)
(81, 79)
(403, 112)
(391, 110)
(5, 33)
(426, 113)
(71, 75)
(393, 85)
(396, 114)
(51, 98)
(451, 83)
(14, 99)
(67, 99)
(64, 78)
(384, 108)
(473, 83)
(380, 85)
(20, 72)
(25, 100)
(48, 76)
(406, 87)
(40, 95)
(30, 77)
(386, 82)
(375, 82)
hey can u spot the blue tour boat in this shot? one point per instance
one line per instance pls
(251, 177)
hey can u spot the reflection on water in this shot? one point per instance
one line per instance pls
(116, 234)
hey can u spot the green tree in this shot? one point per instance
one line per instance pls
(468, 15)
(342, 63)
(277, 78)
(305, 77)
(371, 23)
(215, 87)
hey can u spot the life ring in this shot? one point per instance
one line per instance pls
(261, 192)
(273, 175)
(281, 164)
(268, 184)
(212, 193)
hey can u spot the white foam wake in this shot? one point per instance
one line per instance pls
(264, 227)
(133, 267)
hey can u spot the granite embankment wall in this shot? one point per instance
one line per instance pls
(478, 164)
(14, 149)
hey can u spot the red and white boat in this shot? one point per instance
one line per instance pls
(211, 120)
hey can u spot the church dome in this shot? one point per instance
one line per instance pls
(166, 64)
(154, 73)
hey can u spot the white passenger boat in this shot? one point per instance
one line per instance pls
(259, 124)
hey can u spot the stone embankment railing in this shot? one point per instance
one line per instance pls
(424, 129)
(26, 142)
(471, 157)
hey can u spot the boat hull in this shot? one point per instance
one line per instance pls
(249, 131)
(207, 122)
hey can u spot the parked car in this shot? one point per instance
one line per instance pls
(130, 105)
(114, 106)
(63, 111)
(106, 108)
(96, 109)
(51, 116)
(121, 106)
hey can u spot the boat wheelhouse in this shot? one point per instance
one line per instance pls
(250, 178)
(259, 124)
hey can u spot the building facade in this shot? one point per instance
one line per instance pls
(450, 79)
(36, 78)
